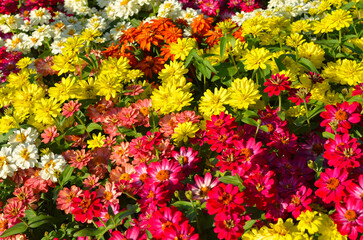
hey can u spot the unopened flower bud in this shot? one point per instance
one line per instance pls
(189, 195)
(198, 202)
(345, 91)
(311, 164)
(176, 194)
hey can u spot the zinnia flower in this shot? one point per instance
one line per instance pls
(86, 207)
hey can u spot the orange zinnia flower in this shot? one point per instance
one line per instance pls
(239, 35)
(213, 37)
(172, 34)
(150, 65)
(148, 36)
(200, 25)
(128, 35)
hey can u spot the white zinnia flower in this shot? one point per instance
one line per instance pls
(28, 135)
(170, 9)
(25, 155)
(7, 166)
(40, 16)
(51, 166)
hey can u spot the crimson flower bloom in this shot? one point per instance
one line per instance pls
(218, 122)
(276, 84)
(229, 226)
(300, 201)
(349, 218)
(224, 198)
(203, 186)
(332, 184)
(358, 90)
(340, 117)
(86, 207)
(183, 231)
(343, 152)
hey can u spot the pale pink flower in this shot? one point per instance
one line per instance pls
(49, 134)
(70, 108)
(65, 198)
(91, 181)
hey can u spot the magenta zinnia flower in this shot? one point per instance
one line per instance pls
(166, 172)
(229, 225)
(349, 218)
(343, 152)
(356, 191)
(276, 84)
(340, 117)
(332, 184)
(86, 207)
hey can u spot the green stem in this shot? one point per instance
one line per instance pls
(132, 197)
(280, 103)
(340, 41)
(307, 113)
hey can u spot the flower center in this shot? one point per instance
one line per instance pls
(20, 137)
(333, 183)
(125, 176)
(151, 194)
(247, 153)
(222, 138)
(107, 195)
(85, 204)
(219, 122)
(295, 200)
(204, 191)
(350, 215)
(3, 225)
(163, 175)
(143, 177)
(270, 127)
(25, 154)
(318, 148)
(144, 111)
(166, 225)
(226, 198)
(341, 115)
(229, 223)
(2, 161)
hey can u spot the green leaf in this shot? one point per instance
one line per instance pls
(225, 69)
(121, 215)
(135, 22)
(182, 204)
(5, 136)
(230, 179)
(308, 64)
(250, 121)
(353, 47)
(93, 126)
(89, 232)
(328, 135)
(280, 65)
(249, 224)
(29, 214)
(40, 220)
(66, 175)
(190, 57)
(281, 115)
(223, 44)
(18, 228)
(348, 5)
(77, 130)
(209, 65)
(356, 98)
(149, 235)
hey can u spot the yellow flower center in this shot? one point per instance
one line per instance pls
(163, 175)
(350, 215)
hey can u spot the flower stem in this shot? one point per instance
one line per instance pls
(340, 41)
(307, 113)
(279, 102)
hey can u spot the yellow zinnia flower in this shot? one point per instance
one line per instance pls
(182, 48)
(212, 103)
(256, 58)
(184, 131)
(243, 93)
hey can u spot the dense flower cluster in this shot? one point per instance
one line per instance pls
(181, 120)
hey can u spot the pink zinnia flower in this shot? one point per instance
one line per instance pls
(120, 154)
(224, 198)
(70, 108)
(358, 90)
(340, 117)
(86, 207)
(332, 185)
(356, 191)
(4, 224)
(202, 186)
(168, 123)
(220, 121)
(188, 159)
(134, 90)
(91, 181)
(297, 96)
(153, 194)
(187, 116)
(13, 211)
(77, 159)
(349, 218)
(300, 201)
(49, 134)
(128, 116)
(277, 84)
(183, 231)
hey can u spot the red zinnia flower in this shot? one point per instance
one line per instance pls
(332, 184)
(229, 226)
(349, 218)
(224, 198)
(276, 84)
(356, 191)
(340, 117)
(86, 207)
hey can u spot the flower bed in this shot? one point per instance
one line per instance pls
(181, 120)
